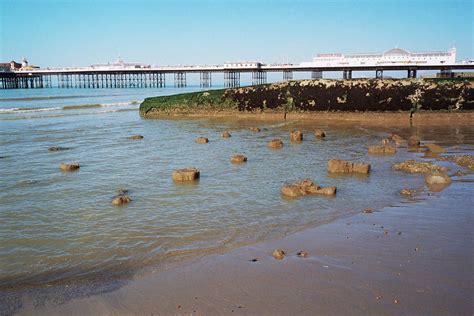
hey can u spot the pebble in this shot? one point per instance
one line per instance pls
(368, 210)
(278, 254)
(302, 254)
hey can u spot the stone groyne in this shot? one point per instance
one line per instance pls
(303, 96)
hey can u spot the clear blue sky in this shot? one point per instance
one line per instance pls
(68, 33)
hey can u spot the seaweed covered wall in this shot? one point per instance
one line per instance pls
(326, 95)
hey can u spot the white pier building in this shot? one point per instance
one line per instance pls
(392, 57)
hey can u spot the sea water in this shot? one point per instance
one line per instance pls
(58, 227)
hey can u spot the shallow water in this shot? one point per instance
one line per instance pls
(60, 227)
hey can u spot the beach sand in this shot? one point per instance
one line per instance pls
(410, 259)
(422, 118)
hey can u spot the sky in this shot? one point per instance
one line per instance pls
(54, 33)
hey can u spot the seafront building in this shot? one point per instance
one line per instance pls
(392, 57)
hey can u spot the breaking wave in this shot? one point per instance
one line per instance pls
(67, 107)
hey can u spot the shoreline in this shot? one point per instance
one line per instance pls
(419, 268)
(370, 118)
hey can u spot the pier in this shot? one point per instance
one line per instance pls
(138, 75)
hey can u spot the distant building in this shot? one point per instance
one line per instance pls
(120, 64)
(7, 67)
(392, 57)
(242, 64)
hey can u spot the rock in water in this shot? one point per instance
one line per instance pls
(225, 134)
(319, 133)
(187, 174)
(302, 254)
(382, 150)
(57, 148)
(344, 166)
(238, 158)
(202, 140)
(435, 149)
(69, 167)
(466, 161)
(135, 137)
(121, 199)
(275, 143)
(413, 166)
(407, 192)
(278, 254)
(255, 129)
(437, 178)
(414, 141)
(304, 187)
(291, 191)
(385, 141)
(296, 136)
(397, 139)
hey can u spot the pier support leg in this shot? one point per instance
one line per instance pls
(316, 74)
(205, 79)
(287, 75)
(411, 73)
(379, 74)
(347, 74)
(180, 79)
(259, 77)
(161, 80)
(231, 79)
(445, 73)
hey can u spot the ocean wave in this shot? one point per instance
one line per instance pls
(27, 110)
(27, 117)
(52, 97)
(67, 107)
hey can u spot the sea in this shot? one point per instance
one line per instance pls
(60, 228)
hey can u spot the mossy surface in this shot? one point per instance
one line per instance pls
(323, 95)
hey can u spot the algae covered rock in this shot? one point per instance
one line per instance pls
(344, 166)
(135, 137)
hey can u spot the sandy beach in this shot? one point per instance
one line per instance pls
(402, 118)
(410, 258)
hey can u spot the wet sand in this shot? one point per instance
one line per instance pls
(400, 118)
(414, 258)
